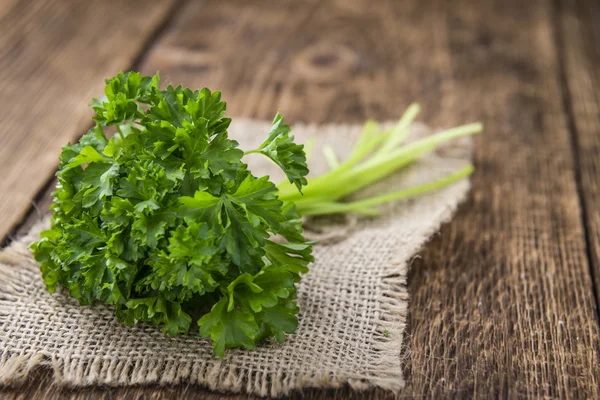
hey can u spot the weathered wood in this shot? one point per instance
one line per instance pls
(54, 56)
(579, 36)
(333, 61)
(501, 300)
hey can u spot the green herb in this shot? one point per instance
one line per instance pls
(165, 222)
(386, 332)
(377, 154)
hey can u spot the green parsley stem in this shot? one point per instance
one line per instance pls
(345, 179)
(358, 206)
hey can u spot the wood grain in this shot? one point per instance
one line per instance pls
(54, 56)
(578, 47)
(501, 301)
(317, 61)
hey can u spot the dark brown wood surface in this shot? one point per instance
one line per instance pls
(578, 46)
(54, 56)
(502, 302)
(503, 299)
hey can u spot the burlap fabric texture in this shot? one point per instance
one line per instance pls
(353, 301)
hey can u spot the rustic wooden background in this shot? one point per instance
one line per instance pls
(504, 300)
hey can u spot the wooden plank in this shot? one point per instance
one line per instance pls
(54, 56)
(580, 55)
(501, 299)
(332, 61)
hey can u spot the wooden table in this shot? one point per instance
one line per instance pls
(504, 300)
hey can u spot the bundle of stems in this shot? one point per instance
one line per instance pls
(376, 155)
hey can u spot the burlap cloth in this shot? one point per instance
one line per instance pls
(353, 301)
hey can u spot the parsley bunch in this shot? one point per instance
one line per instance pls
(165, 222)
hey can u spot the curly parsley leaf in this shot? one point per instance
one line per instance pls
(280, 147)
(280, 319)
(165, 222)
(227, 329)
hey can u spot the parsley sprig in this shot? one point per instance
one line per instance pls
(165, 222)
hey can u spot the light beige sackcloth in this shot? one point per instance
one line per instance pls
(353, 301)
